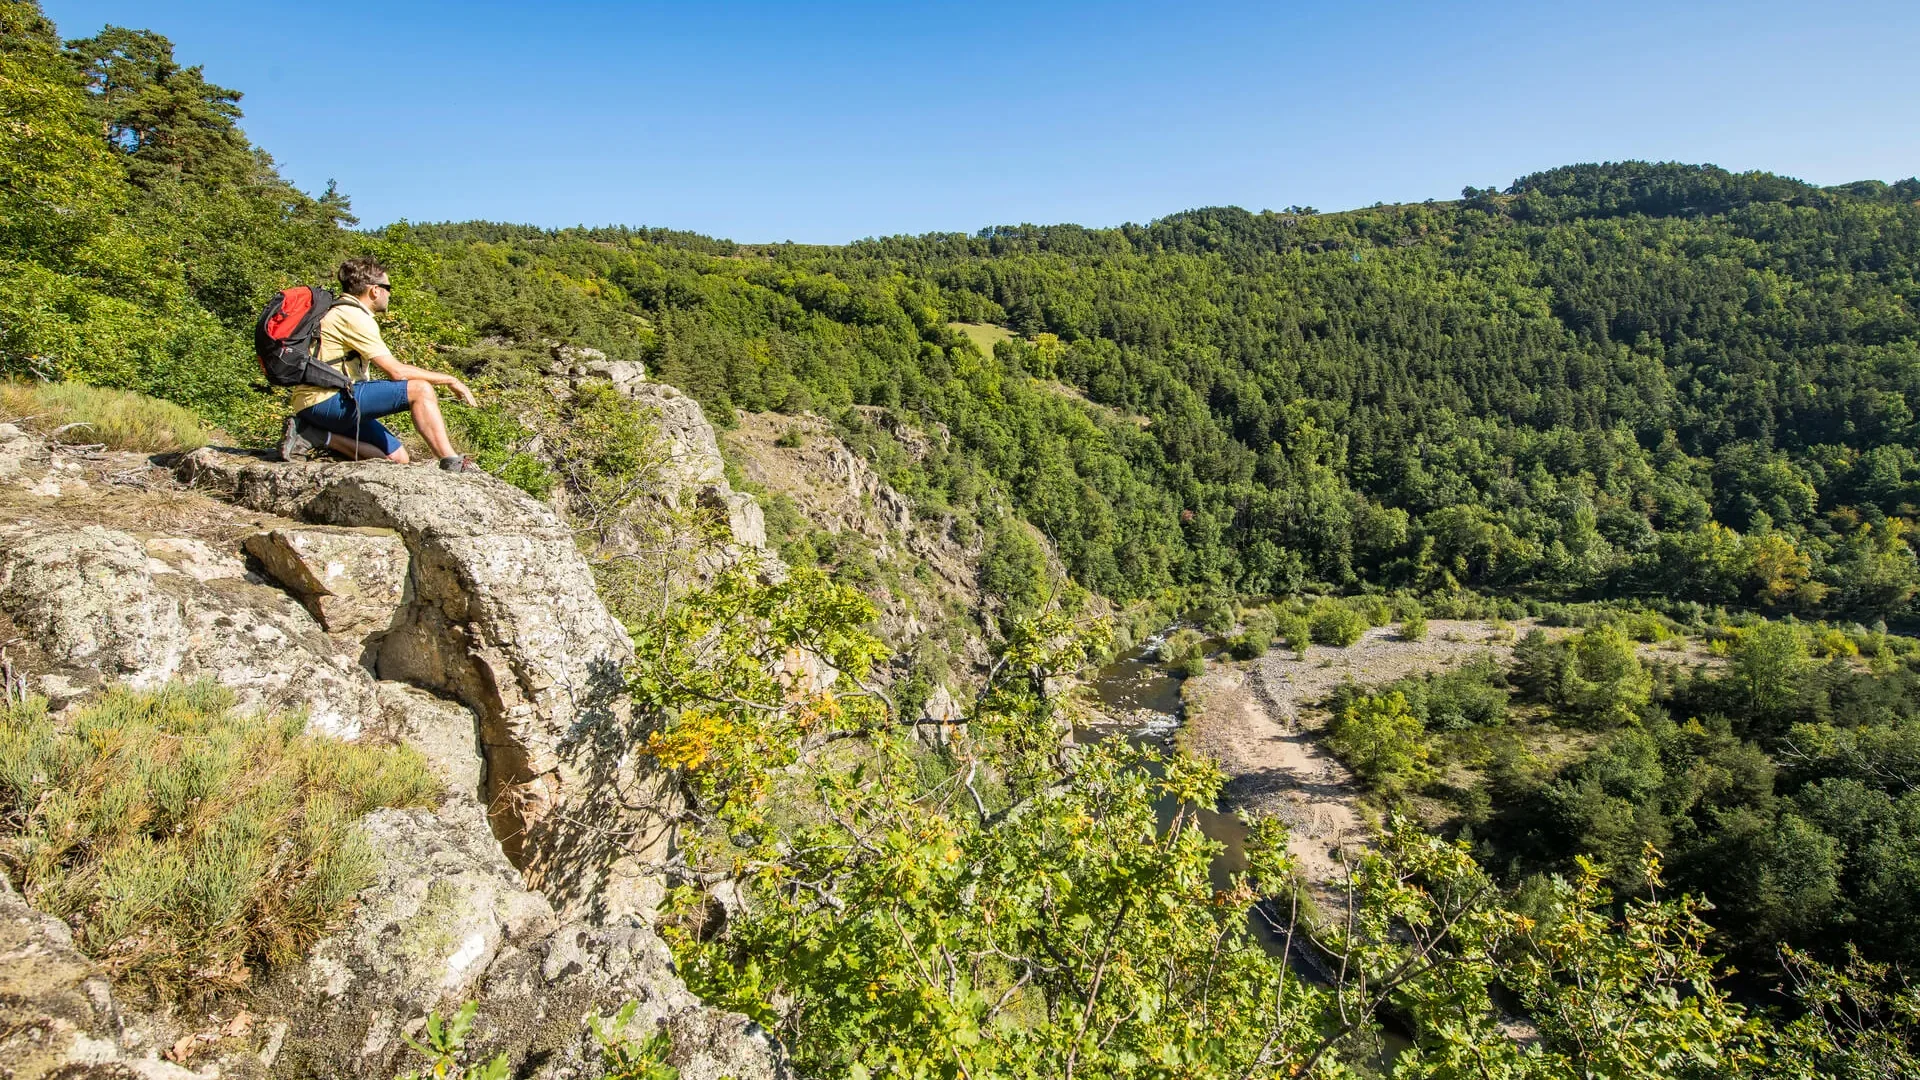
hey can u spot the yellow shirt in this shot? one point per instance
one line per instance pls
(348, 336)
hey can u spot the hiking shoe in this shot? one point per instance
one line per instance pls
(296, 444)
(459, 463)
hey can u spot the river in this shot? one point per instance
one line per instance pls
(1143, 697)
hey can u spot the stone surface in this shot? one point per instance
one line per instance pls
(502, 615)
(446, 922)
(694, 460)
(941, 708)
(19, 451)
(197, 559)
(49, 993)
(941, 719)
(58, 1016)
(694, 470)
(445, 732)
(746, 521)
(625, 375)
(105, 606)
(352, 580)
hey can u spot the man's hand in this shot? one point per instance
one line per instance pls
(461, 391)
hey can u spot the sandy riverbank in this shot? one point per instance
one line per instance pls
(1260, 721)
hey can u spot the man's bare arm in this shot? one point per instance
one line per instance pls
(395, 369)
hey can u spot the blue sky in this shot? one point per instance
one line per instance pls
(829, 122)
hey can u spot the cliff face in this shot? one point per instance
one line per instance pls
(926, 579)
(451, 612)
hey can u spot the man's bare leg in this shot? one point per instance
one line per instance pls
(426, 417)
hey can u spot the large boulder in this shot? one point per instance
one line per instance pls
(447, 921)
(105, 606)
(501, 614)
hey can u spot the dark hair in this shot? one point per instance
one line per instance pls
(358, 275)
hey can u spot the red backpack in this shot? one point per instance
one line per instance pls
(288, 335)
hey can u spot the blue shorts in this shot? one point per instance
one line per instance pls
(374, 398)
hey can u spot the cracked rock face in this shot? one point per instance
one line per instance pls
(447, 921)
(108, 607)
(445, 732)
(352, 580)
(501, 614)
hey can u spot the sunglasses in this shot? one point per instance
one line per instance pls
(383, 285)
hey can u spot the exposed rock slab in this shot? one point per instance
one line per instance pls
(352, 580)
(445, 732)
(695, 460)
(694, 469)
(105, 606)
(502, 615)
(447, 921)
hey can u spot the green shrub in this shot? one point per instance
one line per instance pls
(1184, 651)
(1413, 627)
(1831, 642)
(1647, 626)
(121, 419)
(1294, 628)
(1214, 615)
(498, 443)
(1379, 737)
(1471, 695)
(188, 843)
(1250, 644)
(1375, 609)
(1336, 624)
(1609, 686)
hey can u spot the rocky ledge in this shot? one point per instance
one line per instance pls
(451, 612)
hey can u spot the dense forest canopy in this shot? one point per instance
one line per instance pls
(1657, 380)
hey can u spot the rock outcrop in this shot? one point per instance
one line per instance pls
(476, 596)
(840, 493)
(694, 469)
(59, 1017)
(105, 606)
(500, 614)
(575, 362)
(448, 921)
(352, 580)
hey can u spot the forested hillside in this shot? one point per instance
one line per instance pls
(1658, 380)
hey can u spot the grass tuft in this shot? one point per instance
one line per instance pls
(121, 419)
(189, 844)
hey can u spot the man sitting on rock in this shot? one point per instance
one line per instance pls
(350, 425)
